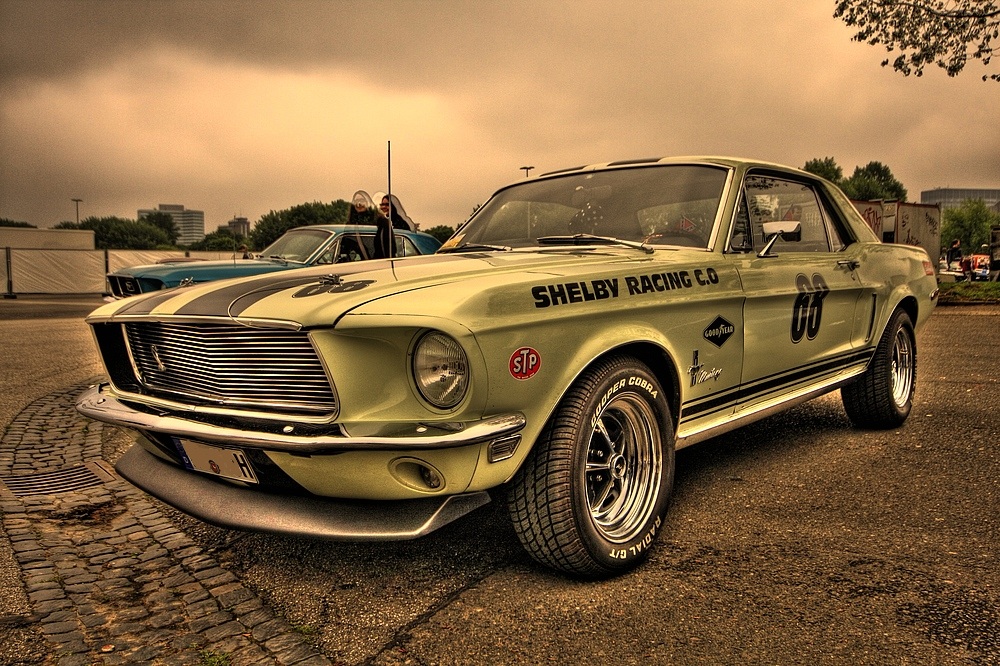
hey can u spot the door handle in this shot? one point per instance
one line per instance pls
(850, 264)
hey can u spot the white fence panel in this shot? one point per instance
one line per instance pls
(57, 271)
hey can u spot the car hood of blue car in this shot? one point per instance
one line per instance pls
(172, 274)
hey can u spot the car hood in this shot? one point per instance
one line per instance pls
(432, 285)
(202, 271)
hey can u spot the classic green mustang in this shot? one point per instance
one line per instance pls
(577, 330)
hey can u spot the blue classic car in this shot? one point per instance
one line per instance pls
(303, 246)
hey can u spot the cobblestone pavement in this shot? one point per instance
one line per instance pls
(109, 579)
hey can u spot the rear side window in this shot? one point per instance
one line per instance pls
(404, 246)
(353, 247)
(359, 247)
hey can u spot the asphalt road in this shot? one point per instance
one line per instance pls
(796, 540)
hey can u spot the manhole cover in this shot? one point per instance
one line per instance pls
(88, 475)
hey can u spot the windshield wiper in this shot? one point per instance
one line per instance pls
(590, 239)
(279, 258)
(475, 247)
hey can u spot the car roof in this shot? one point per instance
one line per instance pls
(349, 228)
(713, 160)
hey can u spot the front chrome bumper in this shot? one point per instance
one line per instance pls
(98, 403)
(232, 506)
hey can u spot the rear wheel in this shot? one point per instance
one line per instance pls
(883, 396)
(592, 495)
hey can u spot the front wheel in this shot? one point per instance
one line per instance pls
(593, 494)
(882, 397)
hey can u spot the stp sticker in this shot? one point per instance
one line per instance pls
(524, 363)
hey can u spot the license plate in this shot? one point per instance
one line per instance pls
(216, 460)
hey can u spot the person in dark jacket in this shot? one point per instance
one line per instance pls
(385, 245)
(954, 253)
(390, 216)
(393, 209)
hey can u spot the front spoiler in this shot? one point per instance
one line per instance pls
(102, 405)
(231, 506)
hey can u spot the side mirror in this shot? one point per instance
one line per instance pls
(786, 230)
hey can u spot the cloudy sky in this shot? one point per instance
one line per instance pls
(241, 107)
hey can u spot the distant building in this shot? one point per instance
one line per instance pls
(190, 223)
(238, 226)
(952, 197)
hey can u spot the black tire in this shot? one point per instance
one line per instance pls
(592, 496)
(882, 397)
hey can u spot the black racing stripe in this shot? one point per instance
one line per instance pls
(766, 386)
(251, 289)
(712, 403)
(233, 299)
(241, 303)
(145, 305)
(237, 298)
(218, 300)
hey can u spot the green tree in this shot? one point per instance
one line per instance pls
(970, 223)
(441, 232)
(4, 222)
(946, 33)
(117, 233)
(873, 181)
(825, 168)
(272, 225)
(164, 221)
(222, 240)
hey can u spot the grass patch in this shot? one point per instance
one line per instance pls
(213, 658)
(969, 292)
(305, 629)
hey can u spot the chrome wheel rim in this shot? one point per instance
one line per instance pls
(624, 468)
(903, 367)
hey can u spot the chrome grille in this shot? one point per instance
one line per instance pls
(263, 369)
(123, 285)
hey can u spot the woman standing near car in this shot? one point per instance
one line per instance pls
(390, 214)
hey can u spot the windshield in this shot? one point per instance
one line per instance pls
(660, 205)
(296, 245)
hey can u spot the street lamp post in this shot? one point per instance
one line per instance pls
(526, 169)
(77, 202)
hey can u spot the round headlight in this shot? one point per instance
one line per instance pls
(440, 369)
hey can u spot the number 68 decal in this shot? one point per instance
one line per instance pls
(808, 308)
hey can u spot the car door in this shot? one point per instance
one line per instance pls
(801, 295)
(354, 247)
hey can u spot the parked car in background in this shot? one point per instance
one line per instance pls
(559, 347)
(980, 267)
(320, 244)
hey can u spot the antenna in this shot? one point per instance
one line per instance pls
(392, 237)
